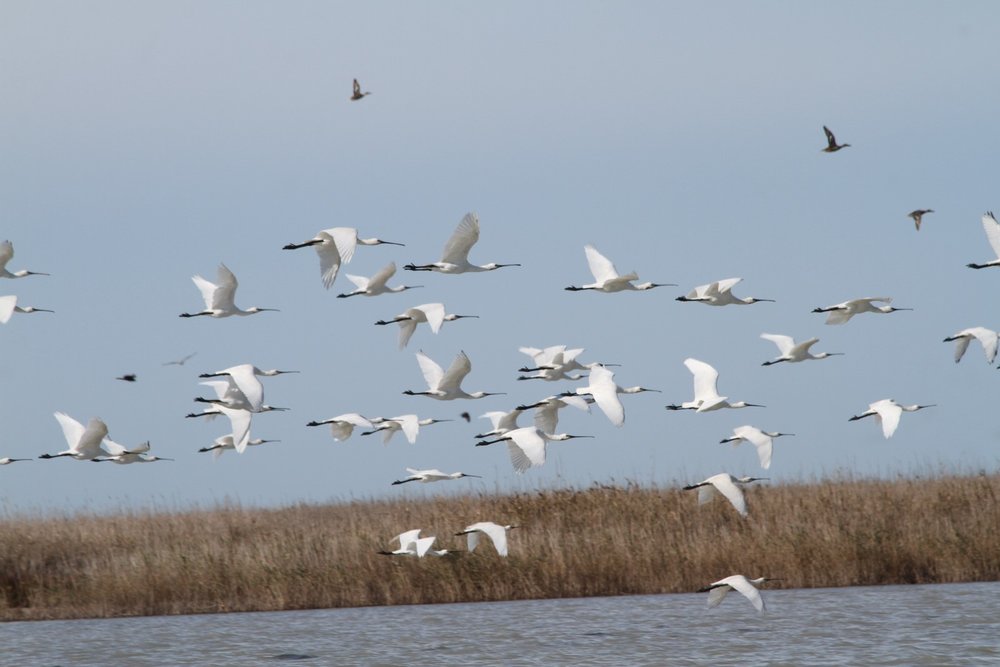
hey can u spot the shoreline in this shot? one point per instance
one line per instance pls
(599, 541)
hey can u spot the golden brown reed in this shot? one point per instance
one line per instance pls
(598, 541)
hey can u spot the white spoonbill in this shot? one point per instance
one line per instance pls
(527, 445)
(547, 409)
(8, 306)
(431, 475)
(342, 426)
(706, 396)
(8, 460)
(431, 313)
(606, 278)
(840, 313)
(6, 254)
(225, 442)
(123, 456)
(455, 258)
(887, 412)
(496, 533)
(84, 443)
(992, 229)
(555, 363)
(789, 350)
(501, 421)
(728, 486)
(986, 337)
(605, 392)
(719, 293)
(408, 424)
(762, 440)
(220, 298)
(446, 386)
(411, 544)
(335, 246)
(376, 285)
(244, 376)
(717, 590)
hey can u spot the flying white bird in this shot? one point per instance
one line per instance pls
(335, 246)
(8, 306)
(122, 455)
(225, 442)
(605, 392)
(747, 587)
(728, 486)
(547, 410)
(527, 445)
(606, 278)
(342, 426)
(220, 299)
(887, 412)
(719, 293)
(408, 424)
(706, 396)
(762, 440)
(8, 460)
(446, 386)
(496, 533)
(455, 258)
(6, 254)
(84, 443)
(501, 421)
(992, 229)
(431, 475)
(376, 285)
(555, 363)
(411, 544)
(431, 313)
(244, 377)
(841, 312)
(791, 351)
(986, 337)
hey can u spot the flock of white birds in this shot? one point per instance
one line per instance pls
(238, 393)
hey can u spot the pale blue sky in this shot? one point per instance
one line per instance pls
(147, 142)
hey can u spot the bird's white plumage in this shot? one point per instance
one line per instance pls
(986, 337)
(466, 234)
(725, 484)
(496, 533)
(739, 583)
(84, 442)
(992, 229)
(605, 392)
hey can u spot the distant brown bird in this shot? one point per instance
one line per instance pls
(831, 141)
(918, 214)
(130, 377)
(357, 92)
(466, 416)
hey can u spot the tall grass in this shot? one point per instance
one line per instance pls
(598, 541)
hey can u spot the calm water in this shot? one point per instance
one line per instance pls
(956, 624)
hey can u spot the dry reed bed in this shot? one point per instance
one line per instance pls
(598, 541)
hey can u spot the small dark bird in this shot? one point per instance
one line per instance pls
(130, 377)
(918, 214)
(357, 92)
(831, 141)
(466, 416)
